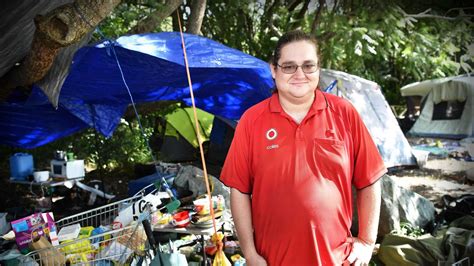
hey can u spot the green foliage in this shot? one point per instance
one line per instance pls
(407, 229)
(126, 16)
(380, 43)
(393, 50)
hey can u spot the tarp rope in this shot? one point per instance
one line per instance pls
(216, 238)
(196, 123)
(132, 101)
(219, 258)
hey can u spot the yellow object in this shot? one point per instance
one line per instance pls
(86, 231)
(219, 259)
(79, 258)
(235, 257)
(77, 245)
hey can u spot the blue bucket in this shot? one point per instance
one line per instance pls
(21, 166)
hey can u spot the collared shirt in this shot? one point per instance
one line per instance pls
(300, 177)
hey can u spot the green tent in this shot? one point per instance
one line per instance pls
(177, 140)
(180, 123)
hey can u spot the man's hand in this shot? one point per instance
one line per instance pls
(255, 260)
(361, 252)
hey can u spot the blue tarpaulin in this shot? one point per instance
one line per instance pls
(225, 82)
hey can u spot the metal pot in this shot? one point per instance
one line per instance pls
(60, 155)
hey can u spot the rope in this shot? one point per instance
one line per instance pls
(196, 123)
(110, 44)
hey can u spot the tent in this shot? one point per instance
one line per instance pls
(221, 137)
(176, 136)
(447, 109)
(367, 98)
(225, 82)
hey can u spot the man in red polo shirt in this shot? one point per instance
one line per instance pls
(291, 166)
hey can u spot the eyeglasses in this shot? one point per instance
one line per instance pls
(307, 68)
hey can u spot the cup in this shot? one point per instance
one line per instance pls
(201, 206)
(181, 219)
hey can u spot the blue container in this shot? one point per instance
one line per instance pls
(136, 185)
(21, 166)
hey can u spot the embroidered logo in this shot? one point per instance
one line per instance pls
(271, 134)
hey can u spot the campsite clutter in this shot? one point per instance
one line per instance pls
(123, 232)
(181, 200)
(65, 170)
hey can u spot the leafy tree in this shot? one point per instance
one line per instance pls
(372, 39)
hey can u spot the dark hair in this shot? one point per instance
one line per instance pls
(294, 36)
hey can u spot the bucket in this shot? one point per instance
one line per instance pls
(21, 166)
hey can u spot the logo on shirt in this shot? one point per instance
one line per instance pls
(271, 134)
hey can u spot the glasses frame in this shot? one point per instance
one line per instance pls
(296, 69)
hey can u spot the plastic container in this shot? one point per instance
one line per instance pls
(136, 185)
(21, 166)
(181, 219)
(41, 176)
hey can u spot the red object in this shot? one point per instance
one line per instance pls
(181, 219)
(210, 250)
(300, 177)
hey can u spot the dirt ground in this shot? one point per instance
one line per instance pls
(437, 178)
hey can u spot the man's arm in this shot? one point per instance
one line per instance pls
(368, 206)
(241, 207)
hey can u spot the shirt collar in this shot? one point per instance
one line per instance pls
(319, 103)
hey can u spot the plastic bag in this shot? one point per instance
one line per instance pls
(219, 259)
(48, 254)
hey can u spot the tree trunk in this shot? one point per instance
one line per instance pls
(317, 17)
(154, 19)
(198, 10)
(59, 28)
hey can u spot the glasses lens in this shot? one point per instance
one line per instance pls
(289, 69)
(309, 68)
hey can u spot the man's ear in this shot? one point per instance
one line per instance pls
(272, 69)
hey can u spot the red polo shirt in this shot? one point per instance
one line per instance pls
(300, 177)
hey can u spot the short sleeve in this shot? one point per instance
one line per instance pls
(236, 171)
(368, 164)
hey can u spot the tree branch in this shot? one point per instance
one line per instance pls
(425, 14)
(153, 20)
(61, 27)
(299, 15)
(317, 17)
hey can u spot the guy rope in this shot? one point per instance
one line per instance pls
(219, 259)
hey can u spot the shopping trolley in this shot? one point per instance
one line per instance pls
(113, 247)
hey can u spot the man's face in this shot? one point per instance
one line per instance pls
(297, 87)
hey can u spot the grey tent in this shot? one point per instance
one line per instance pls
(367, 98)
(446, 107)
